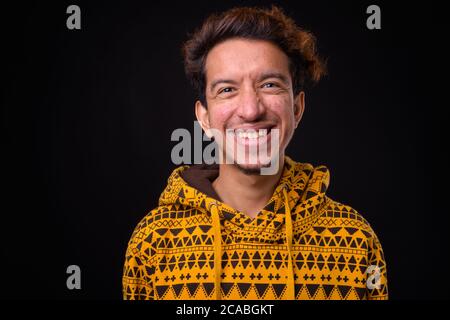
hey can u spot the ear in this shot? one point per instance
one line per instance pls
(201, 113)
(299, 107)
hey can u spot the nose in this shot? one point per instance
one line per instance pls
(250, 108)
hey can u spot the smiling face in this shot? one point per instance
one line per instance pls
(249, 100)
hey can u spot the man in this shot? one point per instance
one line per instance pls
(227, 231)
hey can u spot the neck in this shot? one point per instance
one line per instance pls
(246, 193)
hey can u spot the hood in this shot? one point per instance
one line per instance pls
(191, 186)
(290, 204)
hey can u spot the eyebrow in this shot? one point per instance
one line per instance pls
(262, 77)
(277, 75)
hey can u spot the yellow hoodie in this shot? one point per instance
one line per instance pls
(302, 245)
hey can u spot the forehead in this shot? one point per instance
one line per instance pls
(237, 58)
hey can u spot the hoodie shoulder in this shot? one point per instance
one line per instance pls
(141, 243)
(150, 221)
(142, 234)
(356, 233)
(346, 217)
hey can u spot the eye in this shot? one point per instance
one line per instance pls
(269, 85)
(226, 90)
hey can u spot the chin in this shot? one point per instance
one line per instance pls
(249, 169)
(252, 168)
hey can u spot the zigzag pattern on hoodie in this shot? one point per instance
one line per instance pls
(336, 254)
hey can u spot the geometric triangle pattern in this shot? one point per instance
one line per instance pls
(335, 253)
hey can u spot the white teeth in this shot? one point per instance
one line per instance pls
(251, 134)
(262, 132)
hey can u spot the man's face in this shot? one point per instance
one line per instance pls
(250, 99)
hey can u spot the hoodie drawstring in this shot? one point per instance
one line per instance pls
(290, 291)
(217, 249)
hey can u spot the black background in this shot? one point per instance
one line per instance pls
(87, 117)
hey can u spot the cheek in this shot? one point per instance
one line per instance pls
(282, 107)
(219, 116)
